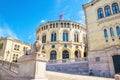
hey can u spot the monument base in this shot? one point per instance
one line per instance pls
(32, 67)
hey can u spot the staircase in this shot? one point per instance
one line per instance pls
(71, 68)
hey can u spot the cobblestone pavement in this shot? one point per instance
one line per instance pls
(63, 76)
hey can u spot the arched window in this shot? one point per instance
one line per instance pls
(54, 25)
(15, 47)
(18, 47)
(53, 37)
(65, 54)
(112, 33)
(16, 57)
(76, 37)
(115, 8)
(106, 34)
(1, 45)
(77, 54)
(100, 13)
(13, 57)
(118, 30)
(107, 10)
(65, 36)
(53, 55)
(44, 39)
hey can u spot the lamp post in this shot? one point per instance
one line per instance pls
(7, 52)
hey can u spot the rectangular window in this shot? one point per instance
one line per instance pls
(53, 25)
(66, 36)
(50, 25)
(1, 45)
(97, 59)
(61, 24)
(56, 25)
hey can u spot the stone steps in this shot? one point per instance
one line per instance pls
(72, 68)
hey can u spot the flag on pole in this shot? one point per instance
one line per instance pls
(61, 16)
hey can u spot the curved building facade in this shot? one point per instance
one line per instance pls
(62, 39)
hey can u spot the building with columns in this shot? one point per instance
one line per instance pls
(62, 39)
(103, 31)
(11, 49)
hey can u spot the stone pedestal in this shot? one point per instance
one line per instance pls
(32, 67)
(117, 77)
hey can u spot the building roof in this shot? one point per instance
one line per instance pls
(83, 26)
(13, 39)
(90, 3)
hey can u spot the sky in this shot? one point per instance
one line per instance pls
(20, 18)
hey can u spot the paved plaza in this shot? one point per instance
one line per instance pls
(63, 76)
(56, 76)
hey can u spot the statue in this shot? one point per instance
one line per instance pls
(36, 48)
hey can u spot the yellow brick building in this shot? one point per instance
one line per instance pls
(103, 31)
(11, 49)
(62, 39)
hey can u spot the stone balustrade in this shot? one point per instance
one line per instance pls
(71, 60)
(1, 61)
(10, 66)
(14, 67)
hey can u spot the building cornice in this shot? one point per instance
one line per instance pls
(106, 48)
(57, 21)
(15, 40)
(90, 3)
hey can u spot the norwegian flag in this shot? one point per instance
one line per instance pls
(61, 16)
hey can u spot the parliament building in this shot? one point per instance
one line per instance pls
(66, 41)
(62, 39)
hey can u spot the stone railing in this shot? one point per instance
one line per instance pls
(1, 62)
(10, 66)
(71, 60)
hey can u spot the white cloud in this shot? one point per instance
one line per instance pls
(42, 21)
(5, 31)
(89, 1)
(81, 17)
(31, 36)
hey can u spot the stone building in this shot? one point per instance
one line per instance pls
(11, 49)
(62, 39)
(103, 31)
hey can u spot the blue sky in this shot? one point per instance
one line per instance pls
(20, 18)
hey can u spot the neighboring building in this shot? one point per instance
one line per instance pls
(103, 31)
(62, 39)
(11, 49)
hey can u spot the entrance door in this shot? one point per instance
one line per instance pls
(65, 54)
(53, 55)
(116, 62)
